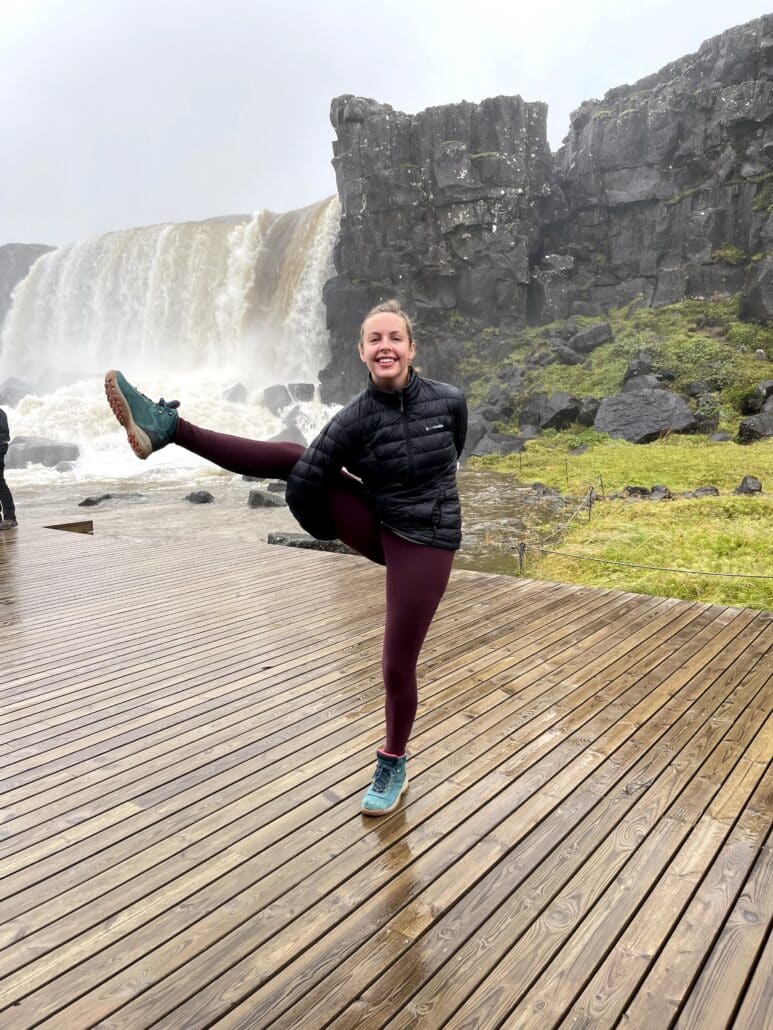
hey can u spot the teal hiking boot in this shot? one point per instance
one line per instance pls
(388, 786)
(148, 426)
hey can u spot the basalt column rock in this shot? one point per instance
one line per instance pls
(16, 259)
(669, 185)
(441, 209)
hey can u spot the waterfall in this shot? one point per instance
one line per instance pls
(243, 293)
(186, 311)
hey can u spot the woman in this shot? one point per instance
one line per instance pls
(401, 437)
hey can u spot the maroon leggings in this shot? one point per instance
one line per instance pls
(416, 575)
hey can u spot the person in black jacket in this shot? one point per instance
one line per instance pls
(381, 476)
(7, 508)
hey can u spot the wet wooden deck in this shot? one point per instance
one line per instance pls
(186, 732)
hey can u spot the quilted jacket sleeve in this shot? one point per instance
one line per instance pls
(309, 481)
(4, 434)
(460, 425)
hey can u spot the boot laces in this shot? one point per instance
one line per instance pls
(382, 777)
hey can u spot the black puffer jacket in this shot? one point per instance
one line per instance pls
(404, 446)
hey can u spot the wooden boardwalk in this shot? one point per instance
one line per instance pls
(186, 732)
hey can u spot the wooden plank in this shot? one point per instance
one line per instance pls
(283, 938)
(721, 984)
(757, 1004)
(209, 855)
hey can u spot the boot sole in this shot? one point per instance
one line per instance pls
(386, 811)
(138, 438)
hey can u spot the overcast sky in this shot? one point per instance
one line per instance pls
(118, 113)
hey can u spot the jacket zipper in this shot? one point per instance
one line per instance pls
(408, 444)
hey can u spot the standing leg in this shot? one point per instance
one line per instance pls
(417, 577)
(416, 580)
(6, 498)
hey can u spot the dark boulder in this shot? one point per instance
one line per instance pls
(641, 365)
(660, 493)
(236, 394)
(704, 491)
(37, 450)
(588, 339)
(754, 402)
(308, 543)
(567, 356)
(755, 427)
(498, 405)
(290, 434)
(200, 497)
(643, 382)
(477, 427)
(757, 298)
(557, 411)
(264, 499)
(499, 443)
(92, 502)
(706, 415)
(749, 485)
(301, 392)
(644, 415)
(275, 398)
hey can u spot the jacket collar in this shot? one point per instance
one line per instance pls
(396, 397)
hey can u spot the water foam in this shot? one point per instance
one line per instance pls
(185, 311)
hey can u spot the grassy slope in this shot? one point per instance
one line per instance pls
(696, 340)
(728, 533)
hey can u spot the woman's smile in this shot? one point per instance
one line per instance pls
(387, 350)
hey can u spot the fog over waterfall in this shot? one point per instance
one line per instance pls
(186, 310)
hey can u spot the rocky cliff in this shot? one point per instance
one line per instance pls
(16, 259)
(662, 190)
(667, 183)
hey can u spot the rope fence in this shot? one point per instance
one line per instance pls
(587, 503)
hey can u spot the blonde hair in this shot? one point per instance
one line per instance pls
(388, 307)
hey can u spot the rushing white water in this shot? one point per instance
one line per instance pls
(185, 311)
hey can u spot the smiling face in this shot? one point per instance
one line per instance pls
(387, 350)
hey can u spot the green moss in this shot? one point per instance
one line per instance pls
(485, 153)
(729, 255)
(600, 260)
(679, 197)
(695, 339)
(602, 115)
(764, 199)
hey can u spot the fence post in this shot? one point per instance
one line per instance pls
(521, 549)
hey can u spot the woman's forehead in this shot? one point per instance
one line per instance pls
(384, 321)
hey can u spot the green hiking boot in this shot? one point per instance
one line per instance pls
(148, 426)
(389, 784)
